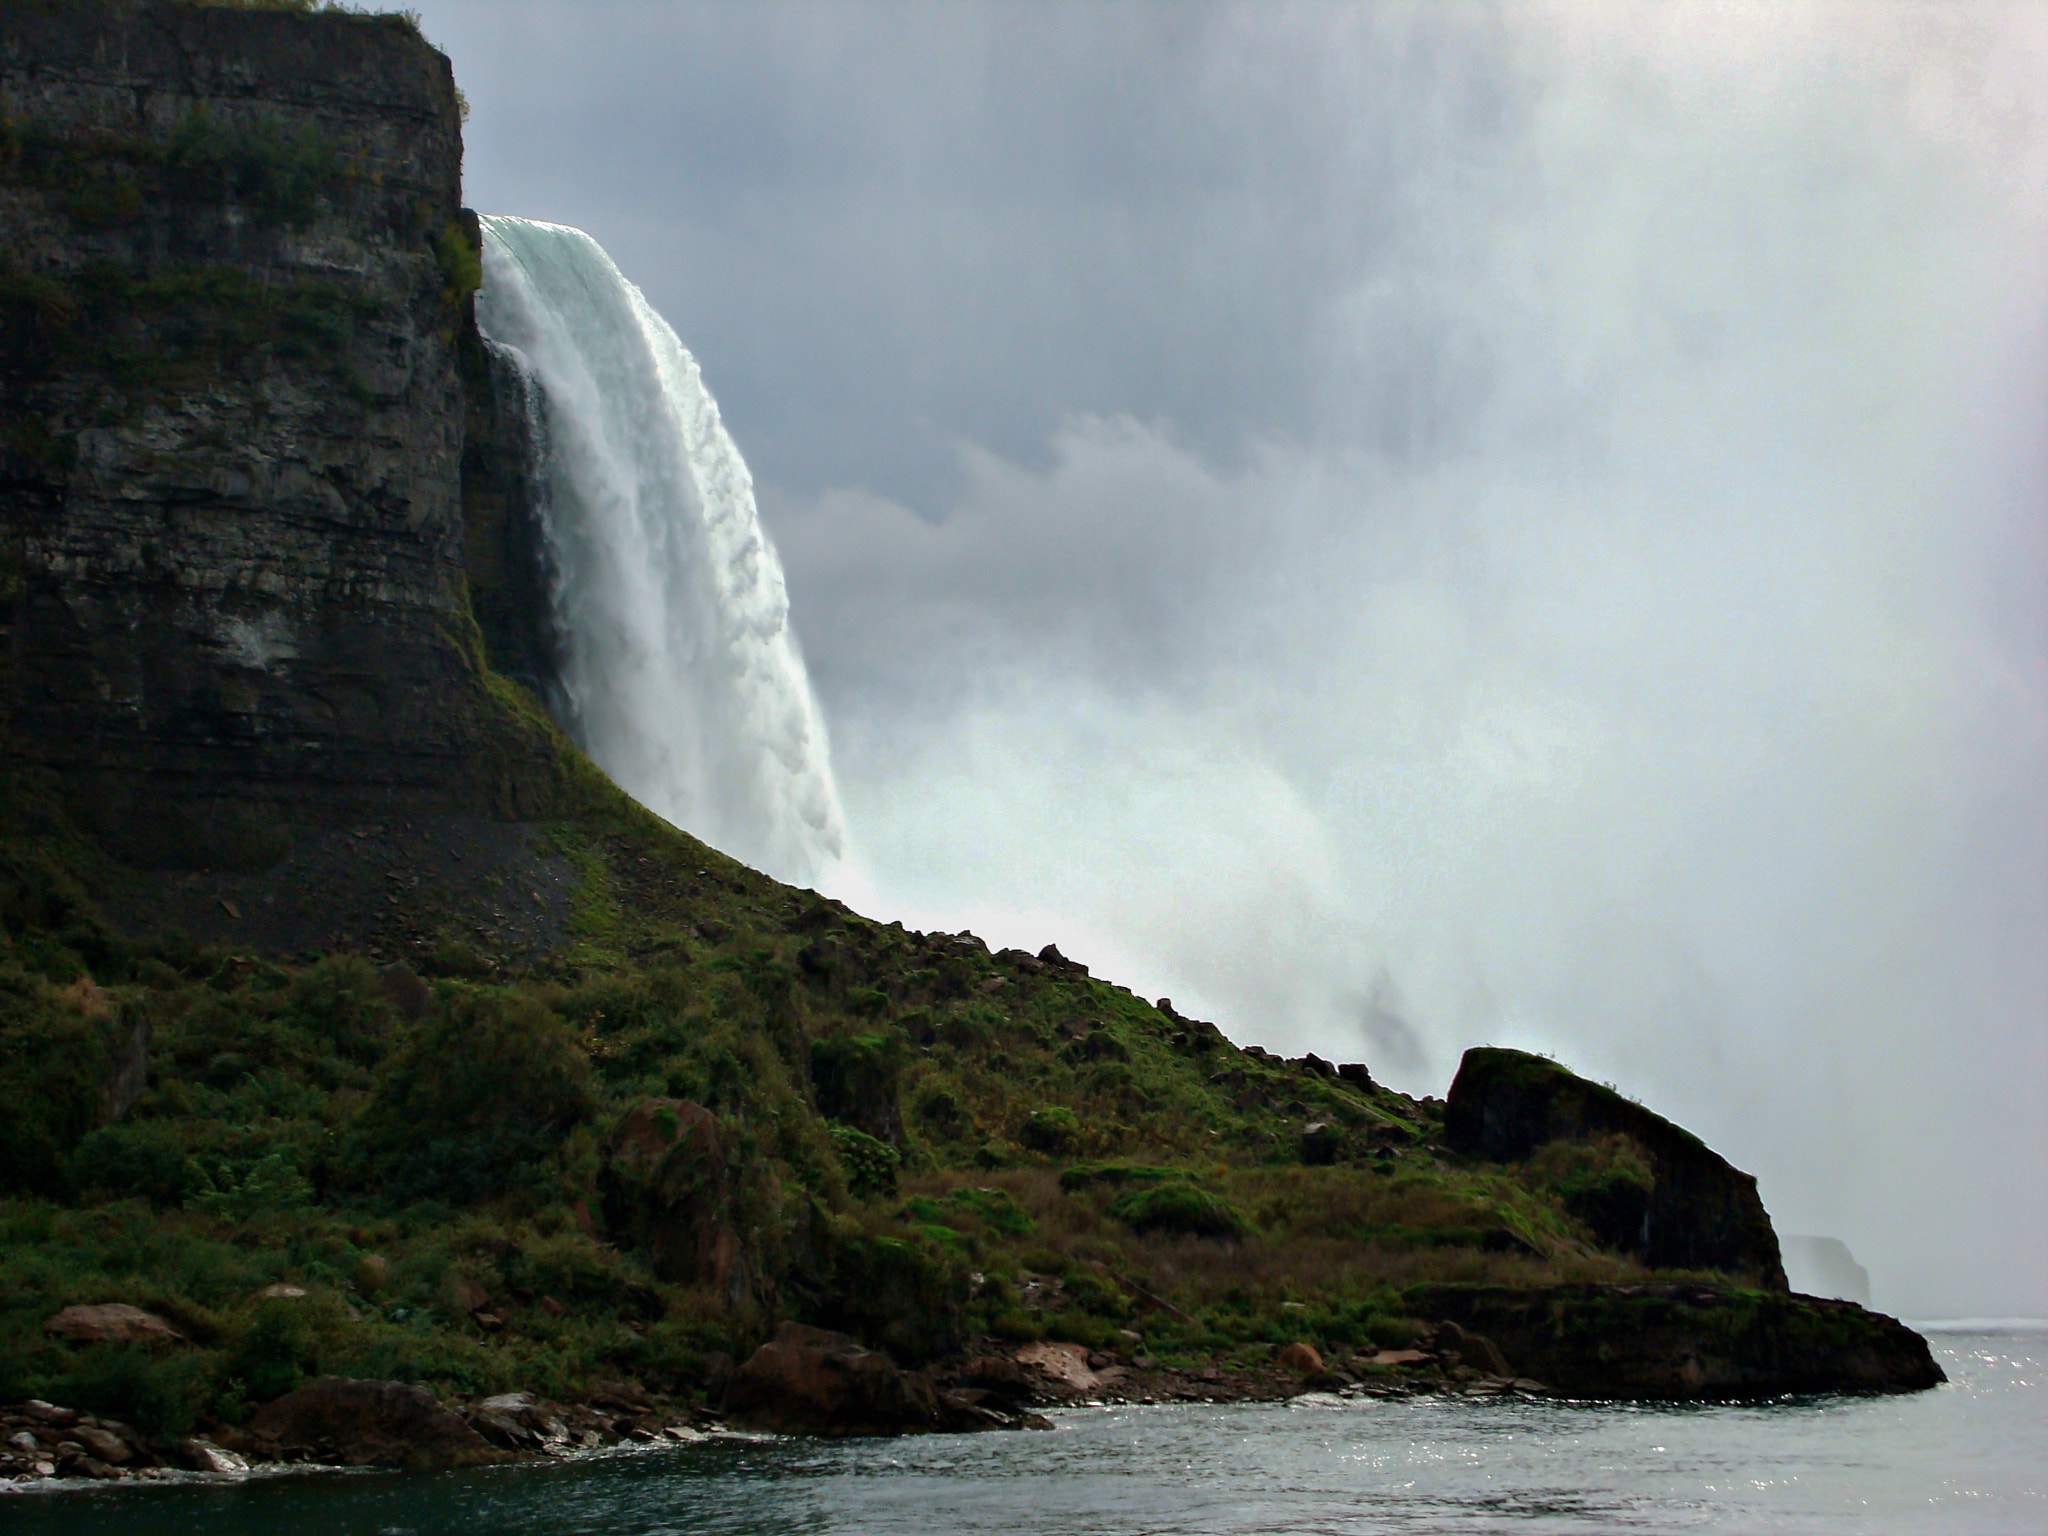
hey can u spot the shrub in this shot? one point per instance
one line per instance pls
(1051, 1129)
(341, 1002)
(160, 1395)
(1111, 1175)
(49, 1094)
(144, 1159)
(1177, 1207)
(870, 1165)
(276, 1353)
(475, 1104)
(272, 1183)
(1606, 1182)
(939, 1110)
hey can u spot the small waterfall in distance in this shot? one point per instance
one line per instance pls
(680, 676)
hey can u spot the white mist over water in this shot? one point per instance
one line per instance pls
(681, 678)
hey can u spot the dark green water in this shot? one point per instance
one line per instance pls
(1970, 1457)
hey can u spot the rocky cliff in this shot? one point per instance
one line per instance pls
(432, 1054)
(1644, 1185)
(232, 312)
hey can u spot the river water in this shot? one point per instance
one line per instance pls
(1969, 1457)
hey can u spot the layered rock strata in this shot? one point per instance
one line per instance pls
(233, 296)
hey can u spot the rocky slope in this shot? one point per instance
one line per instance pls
(359, 1032)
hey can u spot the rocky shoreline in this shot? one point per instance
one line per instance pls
(803, 1381)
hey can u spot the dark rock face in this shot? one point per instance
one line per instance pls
(665, 1185)
(504, 510)
(367, 1423)
(807, 1380)
(1698, 1213)
(231, 555)
(1684, 1341)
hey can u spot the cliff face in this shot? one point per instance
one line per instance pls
(232, 302)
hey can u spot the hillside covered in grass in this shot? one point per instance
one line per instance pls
(714, 1105)
(356, 1026)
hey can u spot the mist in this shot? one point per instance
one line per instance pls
(1403, 529)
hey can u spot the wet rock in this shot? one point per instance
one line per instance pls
(341, 1420)
(807, 1380)
(113, 1322)
(202, 1455)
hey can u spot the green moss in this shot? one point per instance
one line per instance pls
(462, 268)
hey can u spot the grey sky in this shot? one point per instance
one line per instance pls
(1409, 526)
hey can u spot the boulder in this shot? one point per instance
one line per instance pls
(103, 1443)
(518, 1422)
(809, 1381)
(1302, 1359)
(201, 1455)
(340, 1420)
(1060, 1370)
(1698, 1212)
(1400, 1357)
(664, 1185)
(1457, 1347)
(113, 1322)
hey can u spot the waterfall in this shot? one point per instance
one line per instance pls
(680, 676)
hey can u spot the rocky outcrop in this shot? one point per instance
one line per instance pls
(809, 1381)
(664, 1186)
(111, 1322)
(1693, 1211)
(338, 1420)
(506, 555)
(235, 281)
(1679, 1341)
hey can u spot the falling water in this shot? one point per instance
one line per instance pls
(681, 678)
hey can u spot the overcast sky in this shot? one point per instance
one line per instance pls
(1405, 527)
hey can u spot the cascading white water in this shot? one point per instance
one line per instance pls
(681, 678)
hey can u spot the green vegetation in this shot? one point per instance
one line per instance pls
(914, 1140)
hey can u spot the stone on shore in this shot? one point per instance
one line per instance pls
(340, 1420)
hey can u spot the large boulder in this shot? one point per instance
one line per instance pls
(664, 1186)
(809, 1381)
(339, 1420)
(113, 1322)
(1694, 1211)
